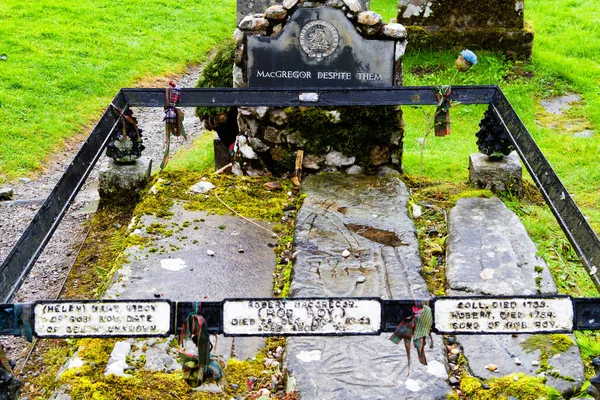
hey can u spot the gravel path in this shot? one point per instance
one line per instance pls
(46, 277)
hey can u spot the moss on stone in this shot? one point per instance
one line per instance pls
(548, 346)
(354, 133)
(469, 14)
(514, 42)
(520, 386)
(481, 193)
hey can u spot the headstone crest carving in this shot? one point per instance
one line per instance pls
(319, 39)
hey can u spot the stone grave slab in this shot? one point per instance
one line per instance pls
(319, 47)
(182, 269)
(354, 238)
(490, 253)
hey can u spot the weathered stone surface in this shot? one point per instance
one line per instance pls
(379, 155)
(369, 18)
(278, 117)
(485, 235)
(353, 5)
(396, 31)
(441, 24)
(6, 193)
(117, 363)
(587, 134)
(247, 126)
(238, 77)
(258, 145)
(371, 368)
(486, 240)
(498, 14)
(497, 175)
(228, 272)
(216, 277)
(272, 135)
(501, 350)
(288, 4)
(337, 159)
(339, 215)
(244, 148)
(354, 170)
(123, 182)
(276, 12)
(254, 23)
(238, 36)
(202, 187)
(559, 105)
(295, 139)
(312, 161)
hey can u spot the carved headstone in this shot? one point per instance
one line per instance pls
(319, 47)
(319, 44)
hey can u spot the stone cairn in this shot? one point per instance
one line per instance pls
(265, 136)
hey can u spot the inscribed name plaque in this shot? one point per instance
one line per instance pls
(319, 47)
(102, 318)
(504, 315)
(302, 317)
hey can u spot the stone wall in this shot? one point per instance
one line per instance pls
(250, 7)
(268, 141)
(476, 24)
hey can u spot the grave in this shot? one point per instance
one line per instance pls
(354, 238)
(489, 253)
(366, 246)
(443, 24)
(308, 45)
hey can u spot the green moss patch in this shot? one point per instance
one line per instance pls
(353, 131)
(100, 255)
(548, 346)
(520, 386)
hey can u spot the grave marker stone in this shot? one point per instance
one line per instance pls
(319, 47)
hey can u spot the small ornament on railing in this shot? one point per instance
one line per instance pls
(441, 119)
(173, 119)
(200, 365)
(126, 145)
(415, 328)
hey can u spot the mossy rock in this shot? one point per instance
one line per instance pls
(520, 386)
(353, 131)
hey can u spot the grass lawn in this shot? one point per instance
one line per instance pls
(66, 60)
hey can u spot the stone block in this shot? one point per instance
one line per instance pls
(505, 175)
(122, 183)
(490, 253)
(221, 154)
(354, 238)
